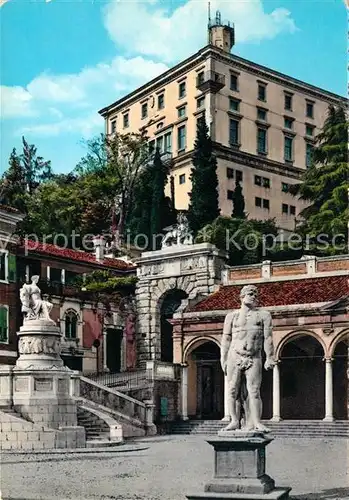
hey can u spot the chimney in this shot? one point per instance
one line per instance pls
(99, 248)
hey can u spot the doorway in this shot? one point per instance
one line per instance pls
(114, 344)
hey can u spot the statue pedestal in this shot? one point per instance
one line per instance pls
(239, 471)
(42, 384)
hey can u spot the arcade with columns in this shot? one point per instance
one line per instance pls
(183, 295)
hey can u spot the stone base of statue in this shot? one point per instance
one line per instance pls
(239, 471)
(42, 389)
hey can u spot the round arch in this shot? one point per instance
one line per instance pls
(293, 336)
(167, 305)
(197, 342)
(343, 335)
(205, 378)
(302, 376)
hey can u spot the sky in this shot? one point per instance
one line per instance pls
(63, 60)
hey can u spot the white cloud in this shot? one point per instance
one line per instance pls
(148, 28)
(71, 102)
(16, 101)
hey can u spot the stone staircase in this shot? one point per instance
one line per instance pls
(284, 428)
(101, 429)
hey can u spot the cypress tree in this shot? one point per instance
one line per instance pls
(139, 222)
(203, 207)
(325, 184)
(238, 202)
(13, 184)
(158, 203)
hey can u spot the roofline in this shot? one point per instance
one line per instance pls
(244, 64)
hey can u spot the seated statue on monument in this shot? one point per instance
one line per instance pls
(246, 332)
(179, 235)
(33, 306)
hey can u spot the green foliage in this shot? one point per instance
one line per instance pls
(238, 202)
(106, 282)
(26, 172)
(203, 207)
(325, 184)
(242, 239)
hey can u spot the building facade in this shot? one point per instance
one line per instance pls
(96, 336)
(263, 124)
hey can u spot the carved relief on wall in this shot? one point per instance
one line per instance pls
(193, 263)
(152, 270)
(39, 345)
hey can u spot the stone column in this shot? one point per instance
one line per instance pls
(149, 417)
(328, 391)
(226, 417)
(276, 393)
(184, 388)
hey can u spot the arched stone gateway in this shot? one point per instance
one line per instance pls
(187, 271)
(302, 374)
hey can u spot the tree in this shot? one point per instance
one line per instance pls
(35, 168)
(238, 202)
(158, 198)
(203, 207)
(12, 184)
(244, 240)
(325, 184)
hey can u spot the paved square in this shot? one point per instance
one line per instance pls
(169, 467)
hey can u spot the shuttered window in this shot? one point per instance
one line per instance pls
(3, 324)
(12, 267)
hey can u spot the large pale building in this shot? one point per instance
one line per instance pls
(263, 124)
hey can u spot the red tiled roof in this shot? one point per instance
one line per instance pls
(305, 291)
(77, 255)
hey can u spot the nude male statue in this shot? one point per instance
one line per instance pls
(246, 332)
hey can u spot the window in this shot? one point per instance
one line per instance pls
(161, 101)
(234, 105)
(285, 187)
(292, 210)
(182, 90)
(238, 176)
(262, 92)
(126, 122)
(266, 182)
(257, 180)
(182, 179)
(55, 275)
(258, 202)
(3, 324)
(181, 111)
(144, 110)
(230, 173)
(266, 204)
(71, 324)
(200, 102)
(168, 143)
(309, 130)
(288, 102)
(261, 140)
(200, 78)
(288, 123)
(230, 194)
(261, 114)
(310, 110)
(284, 208)
(181, 138)
(234, 132)
(151, 147)
(160, 144)
(3, 266)
(234, 82)
(288, 148)
(309, 148)
(113, 127)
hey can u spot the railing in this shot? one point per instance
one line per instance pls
(114, 400)
(126, 380)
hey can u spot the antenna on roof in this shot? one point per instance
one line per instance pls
(209, 22)
(209, 13)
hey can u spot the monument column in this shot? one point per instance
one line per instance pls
(328, 390)
(276, 392)
(184, 389)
